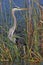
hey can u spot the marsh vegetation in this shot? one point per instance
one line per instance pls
(21, 34)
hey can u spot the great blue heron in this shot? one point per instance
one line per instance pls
(11, 30)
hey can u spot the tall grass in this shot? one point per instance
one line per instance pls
(13, 52)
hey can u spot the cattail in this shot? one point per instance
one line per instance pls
(42, 15)
(41, 11)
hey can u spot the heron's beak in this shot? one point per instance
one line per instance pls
(16, 9)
